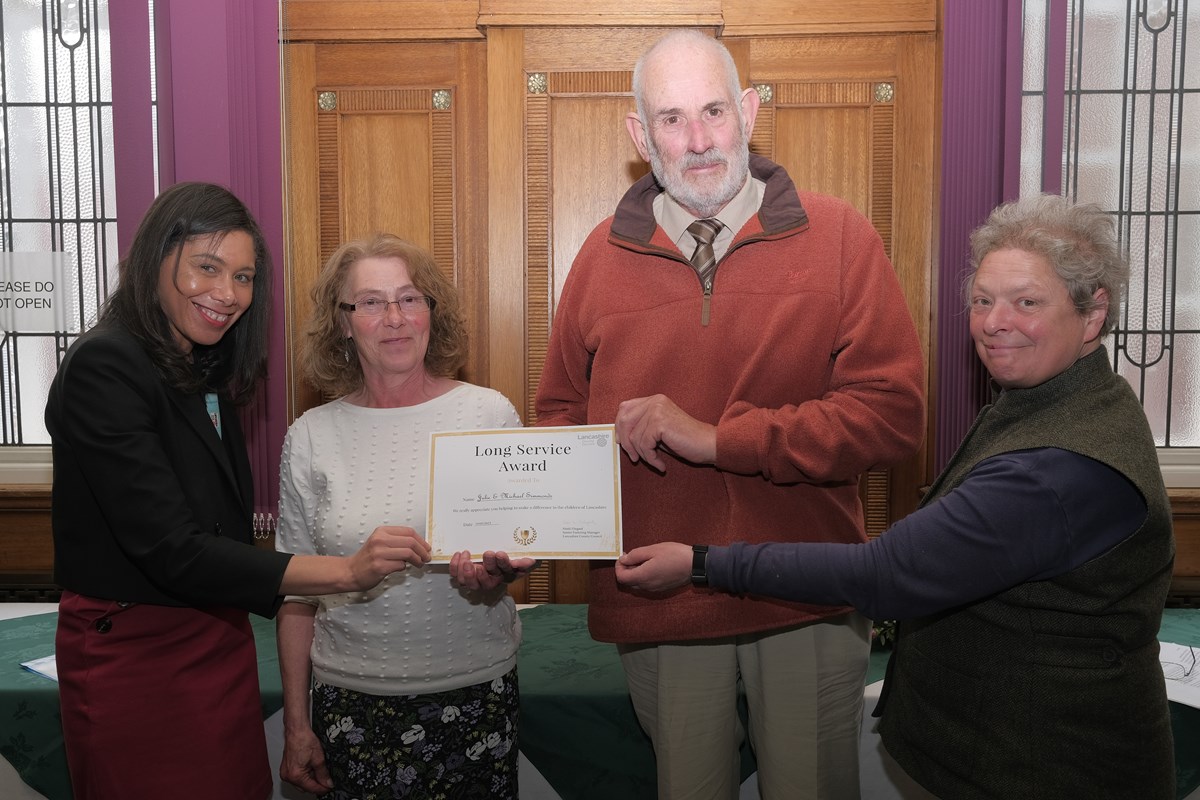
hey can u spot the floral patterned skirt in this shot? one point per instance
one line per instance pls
(460, 743)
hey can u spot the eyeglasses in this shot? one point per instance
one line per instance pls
(1176, 671)
(411, 305)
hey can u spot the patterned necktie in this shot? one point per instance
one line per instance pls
(705, 231)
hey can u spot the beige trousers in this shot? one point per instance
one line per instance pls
(804, 689)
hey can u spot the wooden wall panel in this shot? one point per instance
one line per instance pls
(828, 149)
(350, 65)
(775, 17)
(892, 80)
(26, 547)
(539, 264)
(600, 13)
(829, 114)
(393, 139)
(586, 190)
(1185, 507)
(390, 20)
(838, 138)
(388, 164)
(576, 171)
(834, 136)
(384, 170)
(410, 20)
(506, 202)
(302, 198)
(579, 162)
(595, 50)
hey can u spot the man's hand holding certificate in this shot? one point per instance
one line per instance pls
(530, 492)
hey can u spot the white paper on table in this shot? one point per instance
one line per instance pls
(1182, 673)
(45, 666)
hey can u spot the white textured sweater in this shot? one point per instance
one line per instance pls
(347, 470)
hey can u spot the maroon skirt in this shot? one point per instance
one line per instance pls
(159, 702)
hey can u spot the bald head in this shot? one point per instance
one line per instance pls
(683, 48)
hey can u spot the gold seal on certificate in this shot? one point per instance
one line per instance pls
(532, 492)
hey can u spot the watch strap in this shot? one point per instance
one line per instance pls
(700, 565)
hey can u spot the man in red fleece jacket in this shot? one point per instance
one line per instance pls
(749, 397)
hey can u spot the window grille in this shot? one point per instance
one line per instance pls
(1130, 144)
(56, 181)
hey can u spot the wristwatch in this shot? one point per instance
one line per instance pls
(700, 565)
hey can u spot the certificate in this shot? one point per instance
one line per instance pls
(531, 492)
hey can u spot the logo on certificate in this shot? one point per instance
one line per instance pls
(593, 438)
(525, 536)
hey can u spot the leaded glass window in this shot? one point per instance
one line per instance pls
(1132, 144)
(56, 183)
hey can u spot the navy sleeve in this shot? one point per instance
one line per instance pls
(1018, 517)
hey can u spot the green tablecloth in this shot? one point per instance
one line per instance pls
(30, 728)
(577, 724)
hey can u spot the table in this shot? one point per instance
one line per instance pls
(578, 731)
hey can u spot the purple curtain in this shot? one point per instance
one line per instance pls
(218, 93)
(981, 139)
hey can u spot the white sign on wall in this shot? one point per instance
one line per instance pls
(37, 292)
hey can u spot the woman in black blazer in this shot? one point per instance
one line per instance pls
(152, 510)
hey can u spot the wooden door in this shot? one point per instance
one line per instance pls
(854, 117)
(386, 137)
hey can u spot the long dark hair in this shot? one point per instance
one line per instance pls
(234, 365)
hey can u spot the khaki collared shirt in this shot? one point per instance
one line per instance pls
(674, 219)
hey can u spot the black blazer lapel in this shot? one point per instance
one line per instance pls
(235, 444)
(191, 408)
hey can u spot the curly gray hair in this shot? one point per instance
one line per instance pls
(1078, 240)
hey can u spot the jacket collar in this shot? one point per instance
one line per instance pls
(1082, 376)
(781, 212)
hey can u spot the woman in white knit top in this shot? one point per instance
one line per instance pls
(414, 690)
